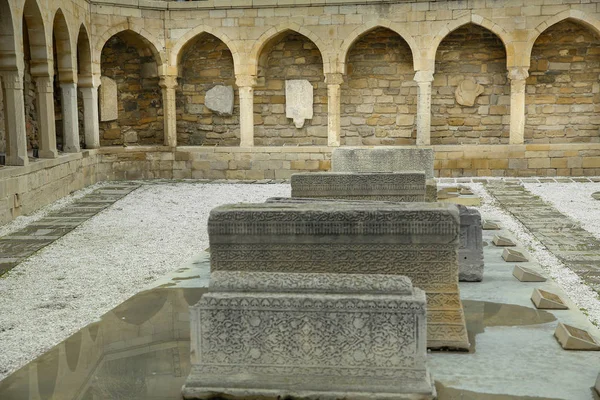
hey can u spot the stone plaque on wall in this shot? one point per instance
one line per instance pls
(109, 104)
(298, 101)
(220, 100)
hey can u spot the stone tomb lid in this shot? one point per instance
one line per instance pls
(285, 282)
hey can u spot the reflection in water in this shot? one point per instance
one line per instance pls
(483, 314)
(141, 350)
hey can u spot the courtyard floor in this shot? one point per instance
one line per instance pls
(76, 260)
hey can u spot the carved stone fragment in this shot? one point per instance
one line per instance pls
(419, 240)
(467, 91)
(547, 301)
(490, 225)
(502, 241)
(315, 335)
(394, 186)
(298, 101)
(220, 100)
(109, 103)
(510, 255)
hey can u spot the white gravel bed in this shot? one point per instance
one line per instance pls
(581, 294)
(573, 200)
(109, 258)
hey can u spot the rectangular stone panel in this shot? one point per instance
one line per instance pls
(470, 254)
(393, 186)
(309, 335)
(418, 240)
(394, 159)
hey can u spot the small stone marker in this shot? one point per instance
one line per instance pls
(466, 192)
(510, 255)
(220, 100)
(490, 226)
(597, 385)
(470, 254)
(109, 104)
(527, 275)
(571, 338)
(547, 301)
(596, 195)
(298, 101)
(502, 241)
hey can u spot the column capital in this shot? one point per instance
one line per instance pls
(44, 84)
(424, 76)
(334, 78)
(245, 80)
(518, 73)
(168, 82)
(12, 80)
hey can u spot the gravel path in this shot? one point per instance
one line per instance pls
(106, 260)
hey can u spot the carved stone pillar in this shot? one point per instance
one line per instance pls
(45, 114)
(334, 128)
(246, 84)
(424, 79)
(14, 118)
(91, 120)
(168, 83)
(518, 77)
(70, 117)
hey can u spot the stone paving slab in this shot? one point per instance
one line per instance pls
(19, 245)
(574, 246)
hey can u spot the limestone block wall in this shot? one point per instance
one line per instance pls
(477, 54)
(29, 94)
(127, 60)
(205, 63)
(379, 96)
(289, 56)
(563, 91)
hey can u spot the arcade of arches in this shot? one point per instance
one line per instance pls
(497, 88)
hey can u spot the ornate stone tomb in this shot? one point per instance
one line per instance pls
(470, 254)
(419, 240)
(393, 186)
(321, 335)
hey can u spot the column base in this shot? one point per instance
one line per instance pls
(48, 153)
(17, 161)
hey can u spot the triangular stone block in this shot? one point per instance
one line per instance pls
(466, 192)
(490, 226)
(547, 301)
(442, 194)
(510, 255)
(502, 241)
(527, 275)
(571, 338)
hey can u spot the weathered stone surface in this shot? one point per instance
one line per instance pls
(383, 160)
(490, 225)
(220, 100)
(309, 335)
(431, 192)
(109, 104)
(470, 254)
(510, 255)
(397, 186)
(502, 241)
(298, 101)
(527, 275)
(597, 385)
(419, 240)
(467, 91)
(547, 301)
(571, 338)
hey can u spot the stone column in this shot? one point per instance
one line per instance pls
(168, 83)
(14, 118)
(334, 128)
(424, 79)
(91, 120)
(245, 84)
(517, 76)
(45, 114)
(68, 91)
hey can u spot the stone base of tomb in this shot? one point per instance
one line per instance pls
(470, 253)
(431, 190)
(326, 336)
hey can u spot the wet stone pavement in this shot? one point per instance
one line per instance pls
(21, 244)
(575, 247)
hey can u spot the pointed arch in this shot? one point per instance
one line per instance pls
(499, 31)
(146, 37)
(181, 44)
(575, 15)
(8, 39)
(84, 54)
(368, 27)
(251, 64)
(66, 60)
(41, 60)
